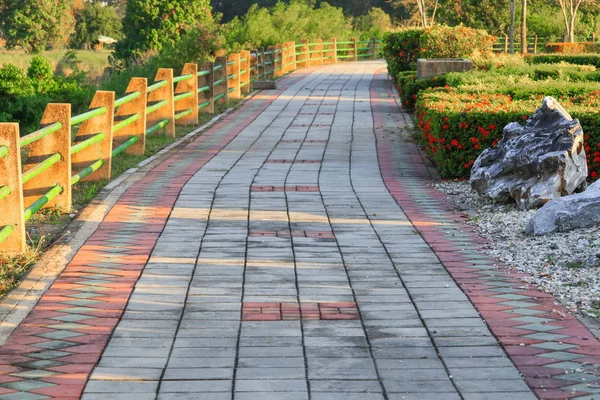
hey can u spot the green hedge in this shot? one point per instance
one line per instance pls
(456, 126)
(402, 49)
(580, 59)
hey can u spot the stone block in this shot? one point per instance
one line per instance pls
(430, 67)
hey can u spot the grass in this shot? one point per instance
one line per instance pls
(13, 268)
(93, 62)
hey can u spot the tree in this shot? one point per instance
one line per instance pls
(524, 26)
(511, 30)
(37, 24)
(569, 10)
(425, 10)
(95, 20)
(149, 25)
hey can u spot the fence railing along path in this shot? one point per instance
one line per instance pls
(40, 169)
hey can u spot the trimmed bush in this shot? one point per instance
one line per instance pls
(582, 59)
(456, 126)
(402, 49)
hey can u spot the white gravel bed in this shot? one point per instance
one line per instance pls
(566, 265)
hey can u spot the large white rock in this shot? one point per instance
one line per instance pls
(576, 211)
(535, 163)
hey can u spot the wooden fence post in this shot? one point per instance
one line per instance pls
(374, 44)
(254, 68)
(12, 206)
(316, 58)
(355, 48)
(293, 61)
(206, 88)
(304, 59)
(535, 44)
(233, 70)
(221, 81)
(245, 71)
(270, 63)
(103, 149)
(278, 64)
(133, 107)
(59, 174)
(189, 103)
(164, 93)
(505, 44)
(260, 64)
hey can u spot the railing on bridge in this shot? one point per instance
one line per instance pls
(54, 162)
(536, 43)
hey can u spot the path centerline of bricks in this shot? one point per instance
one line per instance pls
(295, 251)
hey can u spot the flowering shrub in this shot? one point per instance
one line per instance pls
(572, 48)
(402, 49)
(409, 87)
(456, 126)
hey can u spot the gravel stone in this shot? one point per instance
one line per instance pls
(567, 264)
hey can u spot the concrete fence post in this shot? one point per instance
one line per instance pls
(12, 206)
(189, 103)
(245, 71)
(103, 149)
(164, 93)
(208, 95)
(133, 107)
(233, 71)
(223, 85)
(59, 174)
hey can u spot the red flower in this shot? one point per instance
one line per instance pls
(525, 117)
(597, 159)
(474, 140)
(454, 142)
(492, 127)
(445, 126)
(445, 119)
(466, 165)
(594, 174)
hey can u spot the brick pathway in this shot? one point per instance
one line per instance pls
(276, 258)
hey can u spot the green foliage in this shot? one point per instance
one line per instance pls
(150, 25)
(92, 21)
(402, 49)
(375, 24)
(443, 41)
(35, 25)
(23, 98)
(461, 114)
(296, 21)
